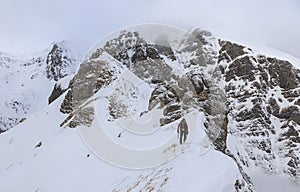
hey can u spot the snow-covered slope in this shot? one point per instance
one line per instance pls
(39, 155)
(26, 83)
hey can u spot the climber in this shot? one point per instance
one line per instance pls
(182, 131)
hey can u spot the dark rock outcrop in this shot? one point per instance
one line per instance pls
(194, 44)
(59, 63)
(230, 51)
(57, 91)
(255, 88)
(163, 95)
(91, 77)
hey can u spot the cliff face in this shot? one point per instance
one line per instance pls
(59, 62)
(263, 93)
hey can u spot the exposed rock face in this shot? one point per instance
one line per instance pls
(242, 68)
(230, 51)
(128, 47)
(198, 47)
(162, 95)
(92, 75)
(165, 50)
(216, 110)
(57, 91)
(152, 70)
(144, 52)
(171, 113)
(59, 62)
(176, 97)
(165, 96)
(262, 93)
(139, 56)
(84, 116)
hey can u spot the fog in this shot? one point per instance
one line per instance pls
(29, 26)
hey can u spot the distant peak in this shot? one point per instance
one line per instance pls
(60, 61)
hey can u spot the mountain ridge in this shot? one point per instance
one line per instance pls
(26, 86)
(250, 101)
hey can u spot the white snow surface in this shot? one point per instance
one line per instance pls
(38, 155)
(24, 87)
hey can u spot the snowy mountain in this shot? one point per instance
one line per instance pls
(112, 126)
(27, 83)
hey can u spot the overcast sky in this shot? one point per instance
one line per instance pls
(29, 26)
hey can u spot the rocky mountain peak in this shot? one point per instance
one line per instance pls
(250, 102)
(60, 62)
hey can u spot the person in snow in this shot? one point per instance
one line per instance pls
(182, 131)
